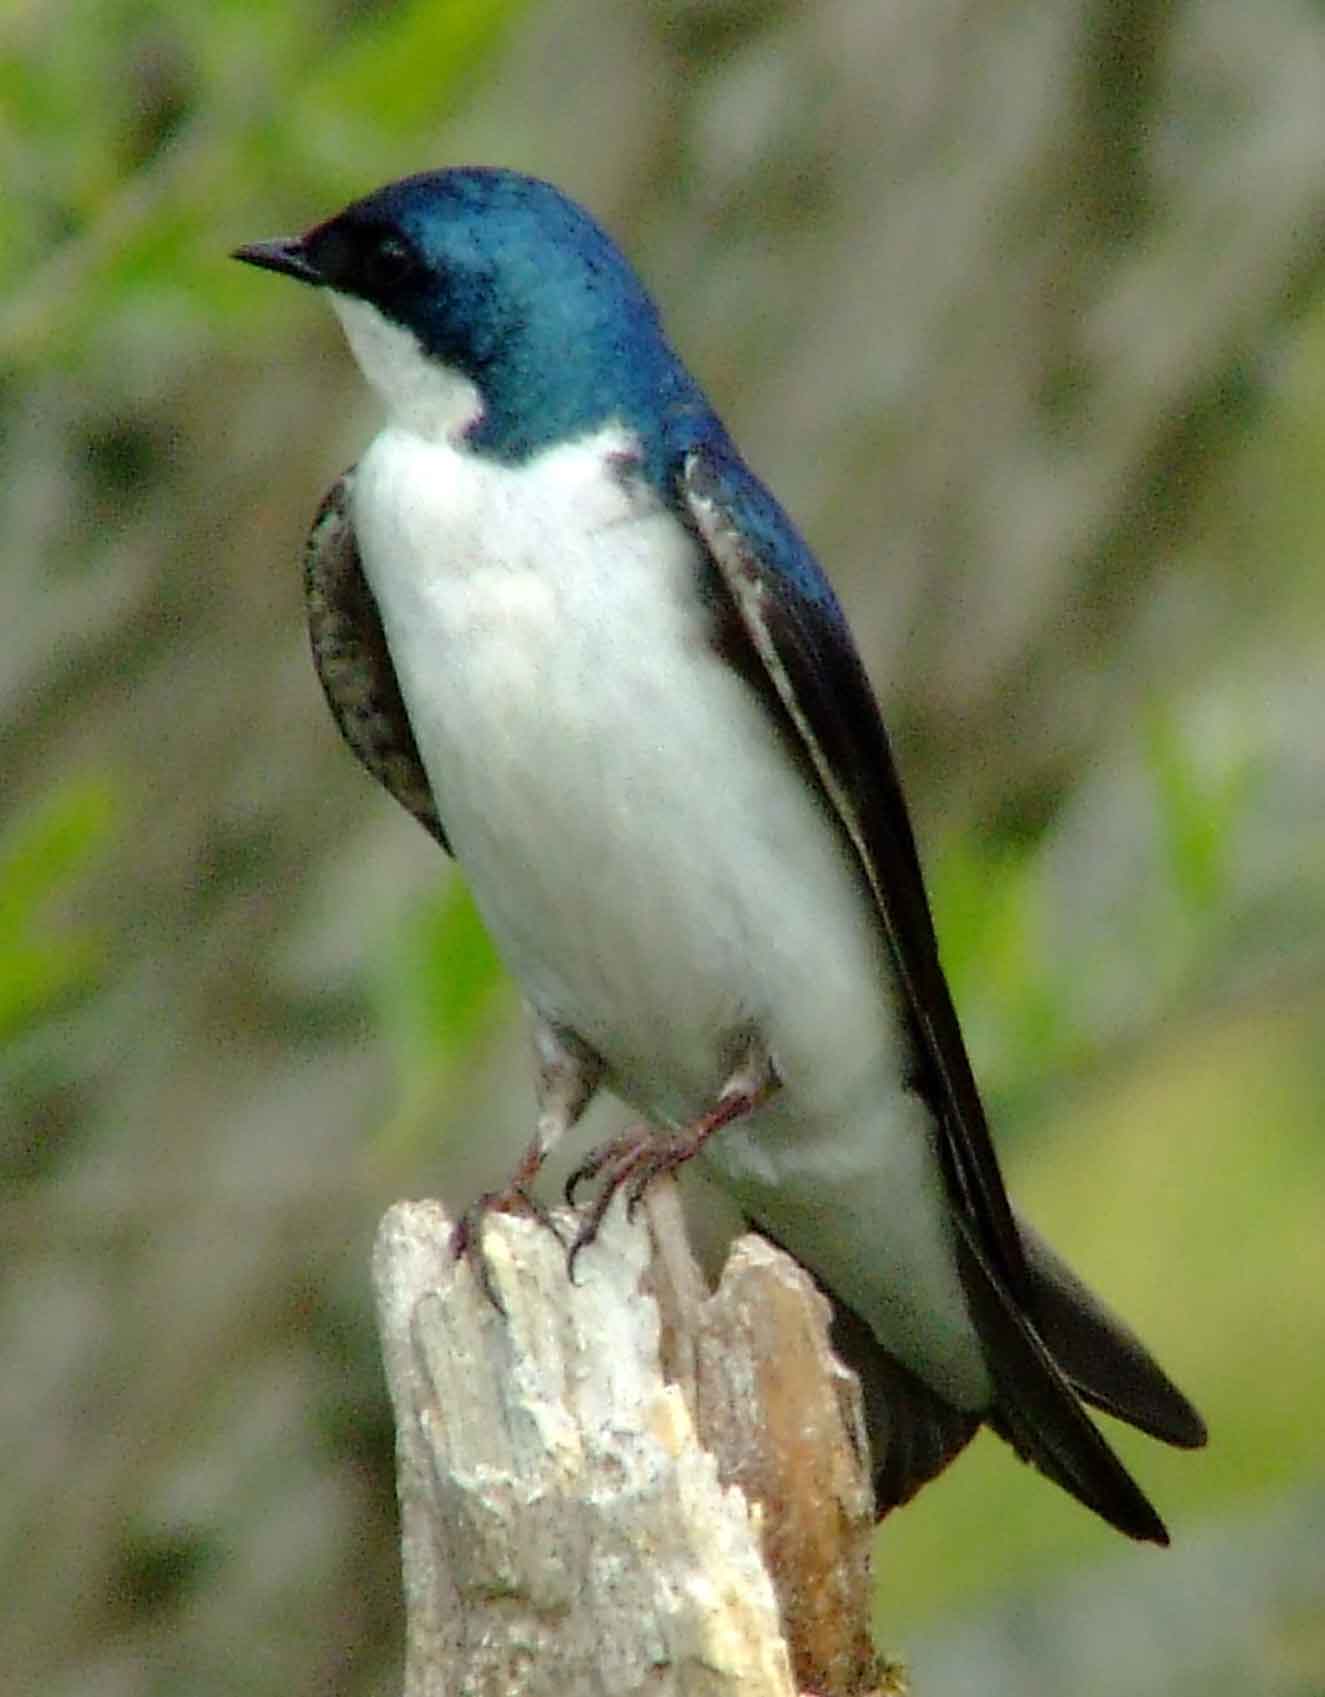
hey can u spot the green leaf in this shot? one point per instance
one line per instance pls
(988, 906)
(1199, 805)
(44, 963)
(449, 974)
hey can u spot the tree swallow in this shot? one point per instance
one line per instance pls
(559, 618)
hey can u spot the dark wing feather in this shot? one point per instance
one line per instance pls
(1036, 1410)
(1101, 1355)
(802, 640)
(1045, 1340)
(354, 662)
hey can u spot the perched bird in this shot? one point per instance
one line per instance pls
(559, 618)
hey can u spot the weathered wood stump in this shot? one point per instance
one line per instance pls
(626, 1484)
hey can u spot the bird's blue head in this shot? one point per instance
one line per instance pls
(486, 304)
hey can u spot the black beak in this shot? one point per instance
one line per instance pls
(285, 254)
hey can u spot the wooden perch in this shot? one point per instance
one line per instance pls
(626, 1484)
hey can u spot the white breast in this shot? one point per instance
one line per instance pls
(652, 865)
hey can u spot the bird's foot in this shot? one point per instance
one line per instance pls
(632, 1159)
(638, 1156)
(514, 1197)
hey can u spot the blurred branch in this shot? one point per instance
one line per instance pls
(566, 1469)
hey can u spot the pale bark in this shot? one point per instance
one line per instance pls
(623, 1484)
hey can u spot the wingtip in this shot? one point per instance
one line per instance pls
(1138, 1517)
(1099, 1353)
(1037, 1411)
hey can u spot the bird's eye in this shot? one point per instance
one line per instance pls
(388, 263)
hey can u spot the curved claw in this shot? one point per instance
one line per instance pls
(581, 1175)
(615, 1149)
(582, 1240)
(467, 1238)
(623, 1157)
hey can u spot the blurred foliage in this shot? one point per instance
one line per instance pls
(44, 855)
(440, 991)
(987, 894)
(1198, 812)
(133, 133)
(993, 903)
(445, 976)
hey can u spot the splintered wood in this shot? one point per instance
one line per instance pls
(624, 1484)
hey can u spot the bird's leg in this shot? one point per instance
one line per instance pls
(639, 1155)
(568, 1073)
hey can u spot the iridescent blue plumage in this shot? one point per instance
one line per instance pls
(541, 310)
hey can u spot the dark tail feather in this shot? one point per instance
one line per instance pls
(1065, 1345)
(913, 1434)
(1101, 1356)
(1036, 1409)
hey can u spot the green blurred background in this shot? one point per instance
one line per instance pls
(1019, 308)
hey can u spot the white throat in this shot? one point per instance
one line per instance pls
(422, 396)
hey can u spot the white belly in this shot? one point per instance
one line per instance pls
(653, 867)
